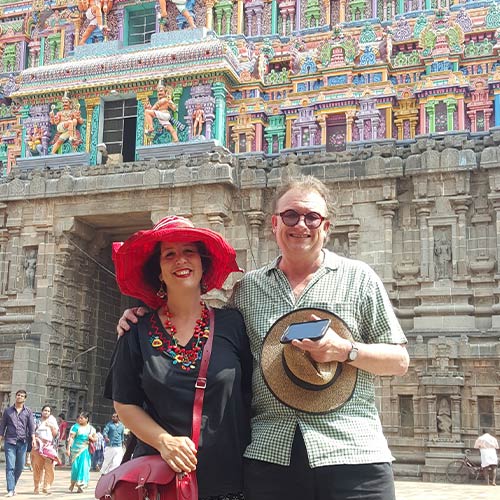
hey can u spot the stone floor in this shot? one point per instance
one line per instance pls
(405, 490)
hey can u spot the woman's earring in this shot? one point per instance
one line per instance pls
(203, 287)
(162, 292)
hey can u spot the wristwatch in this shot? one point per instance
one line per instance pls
(353, 353)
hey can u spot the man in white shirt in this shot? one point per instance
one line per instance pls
(488, 445)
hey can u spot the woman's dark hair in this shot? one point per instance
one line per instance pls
(151, 270)
(47, 406)
(85, 414)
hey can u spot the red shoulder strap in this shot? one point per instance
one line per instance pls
(201, 381)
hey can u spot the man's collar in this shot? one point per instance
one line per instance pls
(331, 261)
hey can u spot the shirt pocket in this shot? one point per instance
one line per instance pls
(348, 314)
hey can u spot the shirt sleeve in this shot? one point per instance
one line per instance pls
(3, 422)
(123, 383)
(379, 324)
(31, 424)
(105, 431)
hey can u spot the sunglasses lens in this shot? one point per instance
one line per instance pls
(290, 218)
(312, 219)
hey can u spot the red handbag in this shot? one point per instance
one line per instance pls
(150, 477)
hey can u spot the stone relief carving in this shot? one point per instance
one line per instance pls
(443, 417)
(442, 253)
(30, 268)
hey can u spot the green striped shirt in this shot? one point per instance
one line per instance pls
(351, 434)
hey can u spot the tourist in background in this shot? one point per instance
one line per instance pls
(78, 450)
(488, 447)
(17, 428)
(113, 436)
(44, 454)
(61, 438)
(98, 456)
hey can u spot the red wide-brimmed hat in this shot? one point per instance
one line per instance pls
(131, 256)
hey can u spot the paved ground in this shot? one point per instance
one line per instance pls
(405, 490)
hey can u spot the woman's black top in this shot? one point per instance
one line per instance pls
(142, 376)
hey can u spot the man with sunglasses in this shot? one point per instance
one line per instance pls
(340, 455)
(17, 428)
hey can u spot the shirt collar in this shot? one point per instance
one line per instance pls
(331, 261)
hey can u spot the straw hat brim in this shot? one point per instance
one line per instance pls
(280, 384)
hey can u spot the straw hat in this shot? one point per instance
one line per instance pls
(131, 256)
(295, 378)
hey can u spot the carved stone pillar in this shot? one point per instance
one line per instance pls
(353, 238)
(4, 238)
(388, 209)
(432, 417)
(456, 417)
(495, 201)
(255, 220)
(460, 205)
(423, 212)
(15, 255)
(216, 221)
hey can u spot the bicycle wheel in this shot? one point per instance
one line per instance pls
(457, 472)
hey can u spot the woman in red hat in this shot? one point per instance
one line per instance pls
(153, 372)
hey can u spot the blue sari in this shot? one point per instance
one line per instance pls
(80, 456)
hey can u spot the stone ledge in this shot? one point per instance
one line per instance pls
(53, 161)
(177, 149)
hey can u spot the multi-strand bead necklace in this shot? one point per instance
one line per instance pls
(185, 357)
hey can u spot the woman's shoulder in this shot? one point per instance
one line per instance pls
(228, 314)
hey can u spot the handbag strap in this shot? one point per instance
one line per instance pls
(201, 381)
(200, 385)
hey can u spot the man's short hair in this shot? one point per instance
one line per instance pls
(306, 183)
(22, 391)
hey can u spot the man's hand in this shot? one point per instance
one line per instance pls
(330, 347)
(131, 315)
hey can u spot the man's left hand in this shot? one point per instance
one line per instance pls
(330, 347)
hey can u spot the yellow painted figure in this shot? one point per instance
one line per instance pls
(161, 111)
(181, 7)
(96, 12)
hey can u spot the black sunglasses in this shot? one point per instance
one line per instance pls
(291, 218)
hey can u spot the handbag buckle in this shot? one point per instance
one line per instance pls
(201, 383)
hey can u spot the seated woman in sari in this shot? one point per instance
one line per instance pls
(78, 449)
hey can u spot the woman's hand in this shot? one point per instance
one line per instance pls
(179, 452)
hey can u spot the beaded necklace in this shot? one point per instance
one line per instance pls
(185, 357)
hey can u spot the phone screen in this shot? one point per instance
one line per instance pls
(312, 330)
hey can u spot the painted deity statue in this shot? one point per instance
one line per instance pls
(181, 7)
(66, 121)
(161, 110)
(34, 141)
(96, 12)
(198, 117)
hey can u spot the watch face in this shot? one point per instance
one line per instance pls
(353, 354)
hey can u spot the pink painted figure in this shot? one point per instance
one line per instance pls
(96, 12)
(198, 120)
(161, 111)
(66, 122)
(181, 7)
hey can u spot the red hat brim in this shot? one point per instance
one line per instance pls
(131, 256)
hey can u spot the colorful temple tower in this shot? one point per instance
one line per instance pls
(253, 76)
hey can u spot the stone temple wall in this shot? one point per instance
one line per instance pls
(423, 214)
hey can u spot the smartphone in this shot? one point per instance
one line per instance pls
(312, 330)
